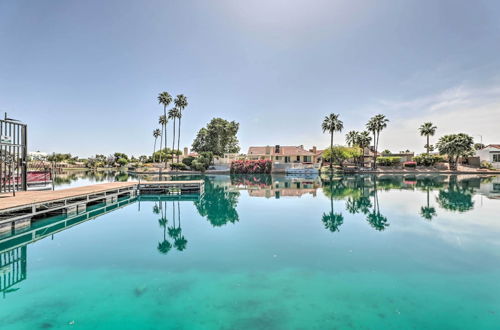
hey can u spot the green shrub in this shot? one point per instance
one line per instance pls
(122, 161)
(487, 165)
(428, 160)
(188, 161)
(198, 165)
(178, 166)
(389, 161)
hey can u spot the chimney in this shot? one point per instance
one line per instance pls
(301, 146)
(277, 149)
(268, 150)
(186, 151)
(314, 149)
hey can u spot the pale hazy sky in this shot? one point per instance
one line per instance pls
(84, 75)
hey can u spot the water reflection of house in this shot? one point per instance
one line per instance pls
(283, 187)
(490, 187)
(283, 154)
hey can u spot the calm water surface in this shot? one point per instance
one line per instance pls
(262, 252)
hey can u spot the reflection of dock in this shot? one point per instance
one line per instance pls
(13, 245)
(17, 212)
(12, 268)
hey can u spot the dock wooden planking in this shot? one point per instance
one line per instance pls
(17, 211)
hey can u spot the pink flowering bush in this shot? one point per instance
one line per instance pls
(251, 167)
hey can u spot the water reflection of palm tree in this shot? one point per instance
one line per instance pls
(180, 241)
(173, 231)
(457, 197)
(428, 212)
(376, 220)
(332, 221)
(163, 246)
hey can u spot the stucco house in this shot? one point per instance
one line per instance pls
(283, 154)
(491, 154)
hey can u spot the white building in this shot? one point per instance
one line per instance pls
(491, 154)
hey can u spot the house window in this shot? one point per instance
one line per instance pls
(496, 158)
(307, 159)
(298, 158)
(277, 158)
(496, 187)
(287, 159)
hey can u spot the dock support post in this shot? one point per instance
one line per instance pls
(81, 208)
(71, 210)
(5, 228)
(111, 199)
(22, 224)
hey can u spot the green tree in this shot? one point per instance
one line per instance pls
(332, 124)
(219, 137)
(181, 103)
(164, 98)
(455, 146)
(427, 129)
(340, 154)
(156, 134)
(479, 146)
(375, 125)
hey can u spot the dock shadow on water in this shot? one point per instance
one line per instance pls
(264, 251)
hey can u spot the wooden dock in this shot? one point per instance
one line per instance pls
(17, 211)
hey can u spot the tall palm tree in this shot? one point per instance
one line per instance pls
(156, 134)
(181, 103)
(173, 114)
(163, 120)
(332, 124)
(427, 129)
(351, 138)
(164, 98)
(375, 125)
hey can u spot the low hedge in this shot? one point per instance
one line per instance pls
(178, 166)
(428, 160)
(388, 161)
(251, 167)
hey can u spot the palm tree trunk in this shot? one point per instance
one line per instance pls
(161, 142)
(173, 145)
(154, 149)
(165, 137)
(179, 136)
(374, 153)
(427, 144)
(331, 151)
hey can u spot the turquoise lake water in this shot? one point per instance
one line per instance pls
(267, 252)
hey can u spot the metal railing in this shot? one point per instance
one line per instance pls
(13, 155)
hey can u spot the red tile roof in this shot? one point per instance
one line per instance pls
(497, 146)
(284, 151)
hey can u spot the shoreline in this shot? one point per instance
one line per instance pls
(320, 173)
